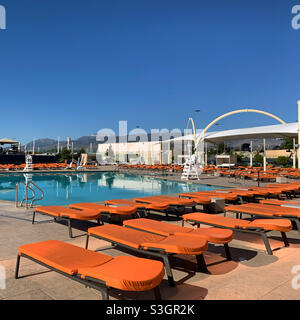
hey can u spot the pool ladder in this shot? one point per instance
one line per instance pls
(28, 202)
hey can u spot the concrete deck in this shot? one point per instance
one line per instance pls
(252, 274)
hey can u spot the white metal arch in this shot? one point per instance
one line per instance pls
(231, 113)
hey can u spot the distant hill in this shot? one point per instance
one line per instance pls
(257, 143)
(43, 145)
(46, 144)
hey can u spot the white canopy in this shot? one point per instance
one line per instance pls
(7, 141)
(288, 130)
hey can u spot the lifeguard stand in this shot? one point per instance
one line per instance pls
(190, 170)
(28, 166)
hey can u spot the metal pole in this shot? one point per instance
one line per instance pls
(17, 194)
(251, 154)
(265, 160)
(294, 153)
(33, 146)
(26, 196)
(57, 144)
(298, 150)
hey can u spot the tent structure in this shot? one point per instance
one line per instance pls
(8, 141)
(288, 130)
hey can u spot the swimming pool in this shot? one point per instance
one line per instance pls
(66, 188)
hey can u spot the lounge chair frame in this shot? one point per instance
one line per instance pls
(155, 252)
(226, 246)
(87, 281)
(63, 218)
(295, 219)
(252, 230)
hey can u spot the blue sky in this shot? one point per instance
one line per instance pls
(72, 67)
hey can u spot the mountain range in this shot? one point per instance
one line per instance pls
(89, 143)
(46, 144)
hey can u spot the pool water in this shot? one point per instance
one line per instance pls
(67, 188)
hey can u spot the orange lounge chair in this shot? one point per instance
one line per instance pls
(94, 269)
(156, 200)
(213, 235)
(152, 244)
(178, 203)
(270, 211)
(266, 192)
(288, 191)
(199, 199)
(225, 196)
(106, 211)
(240, 192)
(144, 207)
(259, 226)
(67, 214)
(283, 203)
(284, 186)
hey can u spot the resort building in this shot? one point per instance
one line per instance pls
(175, 150)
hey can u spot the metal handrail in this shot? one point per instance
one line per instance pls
(26, 196)
(26, 199)
(38, 199)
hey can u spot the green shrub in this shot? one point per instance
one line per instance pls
(282, 161)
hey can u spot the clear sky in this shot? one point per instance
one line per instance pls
(72, 67)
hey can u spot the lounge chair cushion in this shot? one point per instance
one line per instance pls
(179, 244)
(249, 210)
(270, 210)
(209, 196)
(214, 235)
(63, 256)
(159, 227)
(50, 210)
(226, 196)
(279, 202)
(121, 210)
(173, 200)
(150, 206)
(215, 220)
(125, 273)
(202, 200)
(160, 206)
(128, 273)
(129, 237)
(282, 225)
(59, 211)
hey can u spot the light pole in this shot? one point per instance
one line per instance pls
(298, 149)
(197, 114)
(197, 125)
(57, 144)
(33, 146)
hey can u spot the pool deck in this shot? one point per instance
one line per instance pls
(252, 274)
